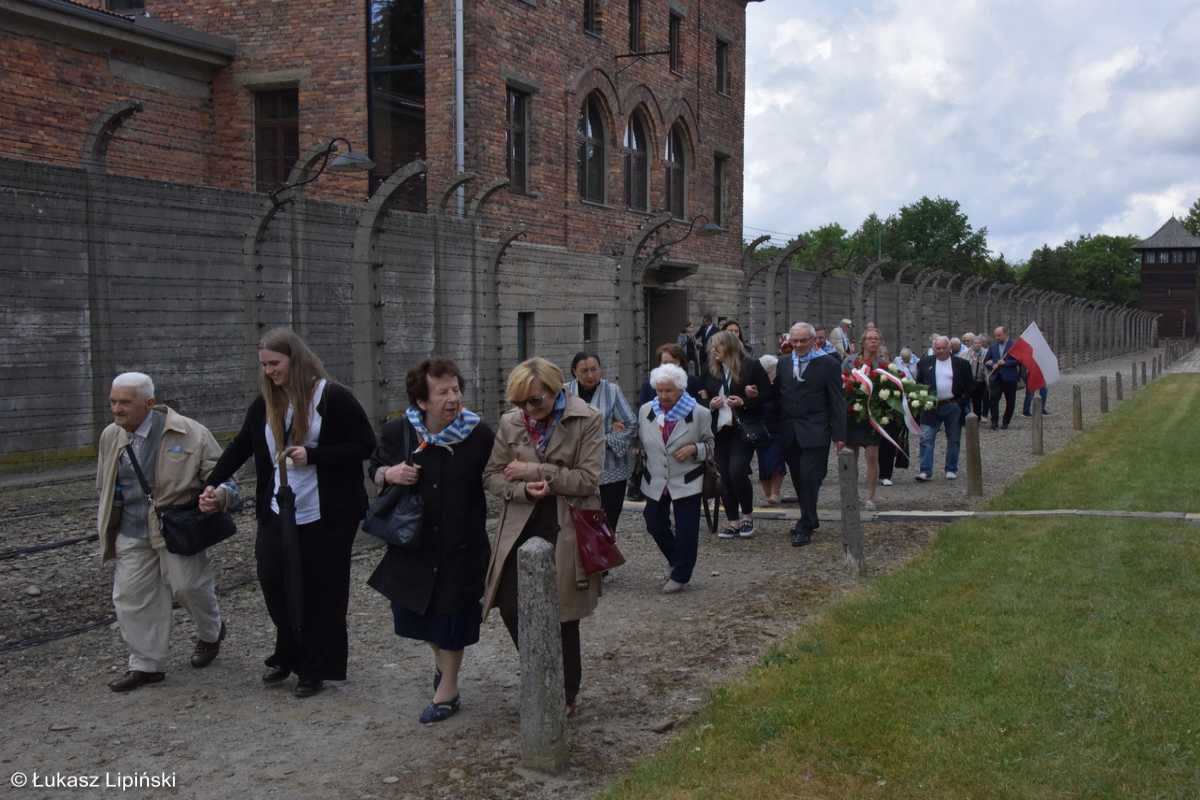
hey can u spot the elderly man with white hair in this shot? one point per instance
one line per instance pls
(676, 436)
(812, 415)
(175, 455)
(949, 379)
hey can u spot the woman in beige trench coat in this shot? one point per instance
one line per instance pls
(548, 454)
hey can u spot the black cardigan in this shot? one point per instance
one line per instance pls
(444, 575)
(346, 440)
(752, 374)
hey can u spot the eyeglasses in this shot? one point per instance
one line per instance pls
(802, 339)
(530, 402)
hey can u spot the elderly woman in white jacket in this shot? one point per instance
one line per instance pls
(676, 435)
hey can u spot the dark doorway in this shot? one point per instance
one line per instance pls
(666, 314)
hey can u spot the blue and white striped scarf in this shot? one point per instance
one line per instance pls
(452, 434)
(683, 406)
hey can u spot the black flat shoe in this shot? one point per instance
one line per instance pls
(307, 687)
(276, 675)
(439, 712)
(135, 679)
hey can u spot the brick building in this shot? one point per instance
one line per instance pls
(593, 138)
(1169, 278)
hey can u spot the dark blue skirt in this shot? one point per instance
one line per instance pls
(771, 460)
(446, 631)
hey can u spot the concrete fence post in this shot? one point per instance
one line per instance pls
(1103, 394)
(1133, 378)
(1038, 445)
(974, 459)
(852, 533)
(1077, 407)
(1120, 390)
(1143, 373)
(543, 702)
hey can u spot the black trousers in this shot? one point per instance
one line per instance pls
(980, 401)
(733, 461)
(808, 466)
(322, 649)
(889, 455)
(612, 500)
(506, 601)
(1009, 391)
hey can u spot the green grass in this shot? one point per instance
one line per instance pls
(1156, 436)
(1043, 658)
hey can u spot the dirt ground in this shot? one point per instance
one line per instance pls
(649, 660)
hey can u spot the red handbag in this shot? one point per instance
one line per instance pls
(597, 544)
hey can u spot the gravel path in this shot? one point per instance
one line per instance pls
(649, 660)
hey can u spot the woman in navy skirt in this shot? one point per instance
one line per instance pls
(435, 589)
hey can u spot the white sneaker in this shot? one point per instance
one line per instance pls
(886, 482)
(869, 505)
(951, 475)
(922, 476)
(671, 587)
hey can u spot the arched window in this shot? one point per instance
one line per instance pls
(676, 166)
(637, 165)
(590, 157)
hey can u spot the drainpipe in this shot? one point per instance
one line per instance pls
(459, 136)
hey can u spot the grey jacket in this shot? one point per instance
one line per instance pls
(681, 479)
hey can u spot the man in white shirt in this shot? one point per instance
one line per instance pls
(950, 379)
(841, 338)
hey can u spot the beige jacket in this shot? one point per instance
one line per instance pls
(572, 463)
(186, 454)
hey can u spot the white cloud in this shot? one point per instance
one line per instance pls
(1043, 120)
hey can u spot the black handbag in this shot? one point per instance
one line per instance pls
(633, 490)
(753, 430)
(395, 515)
(186, 529)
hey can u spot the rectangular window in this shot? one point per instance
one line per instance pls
(1176, 256)
(719, 190)
(591, 330)
(524, 335)
(517, 140)
(635, 26)
(125, 5)
(276, 137)
(675, 43)
(396, 93)
(722, 66)
(1191, 256)
(591, 20)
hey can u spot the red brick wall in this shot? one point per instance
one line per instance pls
(53, 92)
(324, 37)
(545, 45)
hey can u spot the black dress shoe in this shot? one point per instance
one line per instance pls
(800, 537)
(205, 652)
(276, 675)
(307, 687)
(135, 679)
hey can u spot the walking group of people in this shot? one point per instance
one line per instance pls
(568, 442)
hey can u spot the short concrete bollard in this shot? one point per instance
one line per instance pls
(1038, 446)
(1120, 391)
(974, 459)
(1077, 407)
(852, 532)
(1143, 373)
(1103, 394)
(1133, 378)
(543, 703)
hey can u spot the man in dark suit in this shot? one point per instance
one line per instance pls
(703, 334)
(949, 380)
(1004, 372)
(812, 410)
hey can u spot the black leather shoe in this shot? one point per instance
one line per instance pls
(800, 537)
(307, 687)
(276, 675)
(135, 679)
(205, 652)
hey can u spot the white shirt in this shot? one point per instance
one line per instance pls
(944, 370)
(303, 480)
(138, 439)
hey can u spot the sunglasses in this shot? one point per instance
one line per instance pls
(530, 402)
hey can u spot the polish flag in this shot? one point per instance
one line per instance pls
(1033, 351)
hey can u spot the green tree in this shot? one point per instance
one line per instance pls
(1192, 220)
(1099, 267)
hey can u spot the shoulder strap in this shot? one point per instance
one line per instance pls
(137, 469)
(408, 448)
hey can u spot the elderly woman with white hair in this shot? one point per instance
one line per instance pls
(676, 435)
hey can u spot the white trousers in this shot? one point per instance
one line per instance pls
(144, 584)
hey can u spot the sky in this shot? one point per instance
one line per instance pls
(1044, 119)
